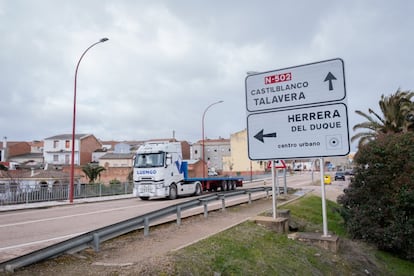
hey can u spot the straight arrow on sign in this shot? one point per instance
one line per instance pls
(259, 136)
(330, 77)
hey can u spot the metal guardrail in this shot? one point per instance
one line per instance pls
(19, 194)
(95, 237)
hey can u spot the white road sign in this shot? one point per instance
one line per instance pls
(304, 85)
(316, 131)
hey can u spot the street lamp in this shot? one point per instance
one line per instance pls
(202, 124)
(72, 165)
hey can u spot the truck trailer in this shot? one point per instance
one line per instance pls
(160, 172)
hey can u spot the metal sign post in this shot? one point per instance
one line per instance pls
(277, 182)
(324, 219)
(274, 203)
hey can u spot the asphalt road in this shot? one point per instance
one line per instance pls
(27, 230)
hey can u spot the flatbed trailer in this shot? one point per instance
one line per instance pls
(214, 183)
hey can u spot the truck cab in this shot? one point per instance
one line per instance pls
(157, 172)
(154, 170)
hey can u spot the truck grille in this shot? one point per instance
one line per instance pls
(146, 188)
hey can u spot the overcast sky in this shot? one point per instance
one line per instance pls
(166, 61)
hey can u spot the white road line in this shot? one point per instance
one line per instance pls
(64, 217)
(38, 242)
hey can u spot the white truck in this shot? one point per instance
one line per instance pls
(160, 171)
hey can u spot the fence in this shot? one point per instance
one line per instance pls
(10, 194)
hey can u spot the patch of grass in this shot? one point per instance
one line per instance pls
(309, 209)
(395, 265)
(250, 249)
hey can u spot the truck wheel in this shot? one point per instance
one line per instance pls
(198, 189)
(223, 185)
(144, 197)
(233, 185)
(173, 192)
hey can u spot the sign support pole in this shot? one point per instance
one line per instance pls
(324, 218)
(277, 181)
(284, 179)
(274, 203)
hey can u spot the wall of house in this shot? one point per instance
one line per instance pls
(119, 173)
(122, 148)
(115, 162)
(214, 150)
(88, 146)
(62, 149)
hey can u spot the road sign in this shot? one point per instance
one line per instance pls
(279, 164)
(304, 85)
(314, 131)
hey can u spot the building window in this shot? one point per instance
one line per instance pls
(55, 158)
(67, 159)
(196, 151)
(55, 143)
(67, 144)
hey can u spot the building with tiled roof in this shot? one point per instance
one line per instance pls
(58, 149)
(32, 179)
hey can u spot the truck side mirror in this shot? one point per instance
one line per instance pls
(168, 160)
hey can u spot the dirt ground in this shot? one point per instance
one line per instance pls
(134, 254)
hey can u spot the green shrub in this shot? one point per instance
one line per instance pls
(378, 205)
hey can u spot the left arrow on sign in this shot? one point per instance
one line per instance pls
(259, 136)
(330, 77)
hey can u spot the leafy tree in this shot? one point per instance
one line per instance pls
(92, 171)
(397, 116)
(378, 205)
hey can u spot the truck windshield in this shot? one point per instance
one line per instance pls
(149, 160)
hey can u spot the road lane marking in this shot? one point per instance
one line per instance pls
(39, 242)
(77, 215)
(63, 217)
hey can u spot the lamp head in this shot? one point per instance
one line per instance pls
(104, 39)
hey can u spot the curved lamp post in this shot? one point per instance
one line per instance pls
(72, 165)
(202, 124)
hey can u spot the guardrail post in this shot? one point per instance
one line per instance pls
(146, 226)
(267, 193)
(96, 242)
(223, 203)
(250, 197)
(178, 215)
(205, 210)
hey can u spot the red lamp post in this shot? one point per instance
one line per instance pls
(202, 131)
(72, 165)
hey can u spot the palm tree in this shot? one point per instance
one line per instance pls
(92, 172)
(398, 116)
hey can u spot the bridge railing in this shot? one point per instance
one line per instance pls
(18, 194)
